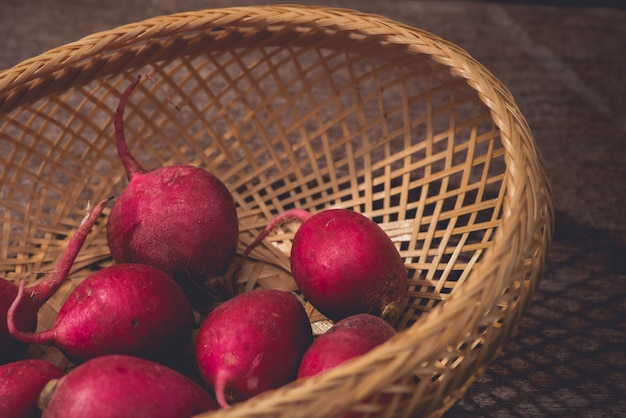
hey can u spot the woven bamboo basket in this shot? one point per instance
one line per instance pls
(307, 107)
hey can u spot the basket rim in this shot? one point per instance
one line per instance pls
(526, 203)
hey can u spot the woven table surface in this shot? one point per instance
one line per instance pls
(564, 65)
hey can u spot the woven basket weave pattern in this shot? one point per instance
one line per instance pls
(298, 107)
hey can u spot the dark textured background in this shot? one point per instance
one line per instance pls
(565, 65)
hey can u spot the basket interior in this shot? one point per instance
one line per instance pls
(284, 120)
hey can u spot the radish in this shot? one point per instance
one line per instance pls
(348, 338)
(252, 343)
(180, 219)
(124, 386)
(20, 384)
(25, 318)
(130, 309)
(343, 263)
(25, 315)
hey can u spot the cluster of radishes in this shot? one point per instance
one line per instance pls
(173, 234)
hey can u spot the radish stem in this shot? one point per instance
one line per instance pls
(287, 216)
(131, 165)
(26, 337)
(43, 290)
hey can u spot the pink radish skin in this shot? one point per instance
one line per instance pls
(25, 314)
(124, 386)
(180, 219)
(252, 343)
(344, 263)
(20, 384)
(25, 318)
(351, 337)
(131, 309)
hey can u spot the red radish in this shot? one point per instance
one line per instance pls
(343, 263)
(25, 316)
(124, 386)
(351, 337)
(130, 309)
(20, 384)
(181, 219)
(252, 343)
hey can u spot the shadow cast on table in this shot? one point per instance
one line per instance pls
(567, 356)
(618, 4)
